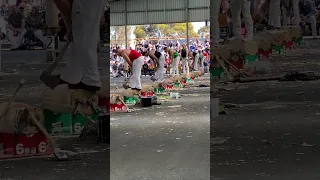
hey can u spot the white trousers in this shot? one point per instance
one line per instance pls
(196, 63)
(274, 14)
(82, 66)
(160, 71)
(288, 17)
(214, 15)
(39, 34)
(202, 63)
(135, 79)
(296, 13)
(185, 65)
(175, 66)
(16, 40)
(313, 21)
(237, 7)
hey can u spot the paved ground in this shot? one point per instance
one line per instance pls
(166, 142)
(275, 132)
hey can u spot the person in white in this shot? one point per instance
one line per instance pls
(174, 60)
(237, 7)
(308, 14)
(214, 15)
(17, 30)
(202, 58)
(274, 19)
(135, 61)
(81, 17)
(34, 22)
(158, 59)
(195, 55)
(290, 11)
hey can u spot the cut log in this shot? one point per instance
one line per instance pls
(17, 119)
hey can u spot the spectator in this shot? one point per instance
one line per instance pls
(308, 14)
(63, 29)
(34, 23)
(16, 22)
(26, 6)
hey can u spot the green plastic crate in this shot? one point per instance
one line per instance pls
(278, 49)
(176, 85)
(251, 58)
(216, 72)
(65, 123)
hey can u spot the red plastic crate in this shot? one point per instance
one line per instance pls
(118, 108)
(17, 146)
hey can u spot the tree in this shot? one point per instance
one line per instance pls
(205, 30)
(181, 30)
(165, 30)
(118, 34)
(140, 32)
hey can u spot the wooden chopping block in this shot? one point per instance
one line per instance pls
(287, 34)
(248, 47)
(277, 37)
(296, 32)
(147, 87)
(63, 99)
(17, 119)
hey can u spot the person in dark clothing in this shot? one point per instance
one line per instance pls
(63, 29)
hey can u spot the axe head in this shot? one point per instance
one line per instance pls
(125, 86)
(50, 80)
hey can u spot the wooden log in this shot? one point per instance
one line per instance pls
(63, 99)
(17, 119)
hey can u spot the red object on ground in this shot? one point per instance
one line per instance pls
(144, 94)
(289, 45)
(265, 53)
(170, 86)
(118, 108)
(17, 146)
(239, 64)
(150, 94)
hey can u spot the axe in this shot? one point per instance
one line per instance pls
(53, 80)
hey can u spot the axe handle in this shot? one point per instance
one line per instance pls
(54, 64)
(11, 100)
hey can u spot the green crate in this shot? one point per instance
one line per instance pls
(251, 58)
(216, 72)
(176, 85)
(159, 90)
(278, 49)
(65, 123)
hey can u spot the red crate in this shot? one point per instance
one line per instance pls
(150, 94)
(118, 108)
(17, 146)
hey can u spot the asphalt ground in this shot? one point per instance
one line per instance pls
(165, 142)
(274, 132)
